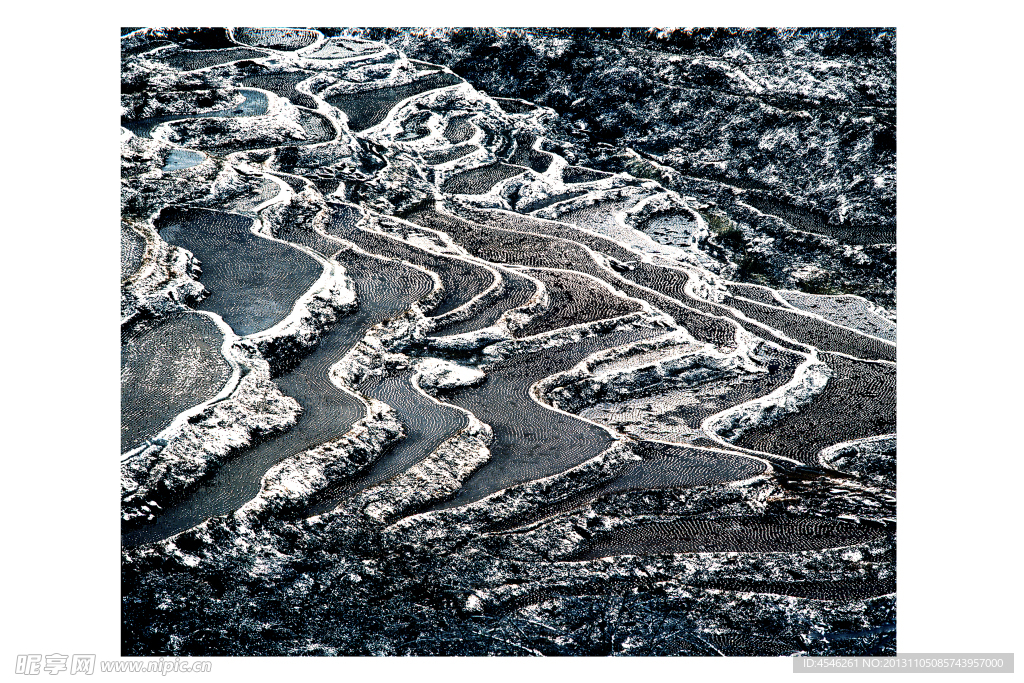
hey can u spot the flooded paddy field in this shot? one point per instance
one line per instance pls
(574, 298)
(459, 129)
(531, 441)
(254, 282)
(814, 332)
(526, 156)
(480, 180)
(191, 60)
(850, 311)
(578, 174)
(437, 158)
(857, 402)
(462, 281)
(384, 289)
(521, 223)
(739, 534)
(672, 283)
(525, 249)
(281, 83)
(167, 368)
(517, 291)
(761, 295)
(516, 551)
(285, 39)
(180, 159)
(254, 104)
(367, 109)
(428, 424)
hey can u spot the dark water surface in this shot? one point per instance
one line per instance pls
(254, 281)
(255, 104)
(384, 289)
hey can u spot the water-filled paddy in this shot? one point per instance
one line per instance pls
(739, 534)
(254, 104)
(254, 281)
(367, 109)
(526, 156)
(517, 291)
(179, 159)
(531, 441)
(480, 180)
(574, 298)
(167, 368)
(579, 174)
(814, 332)
(459, 129)
(461, 280)
(384, 289)
(428, 424)
(857, 402)
(286, 39)
(436, 158)
(191, 60)
(281, 83)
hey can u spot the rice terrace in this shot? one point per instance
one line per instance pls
(496, 341)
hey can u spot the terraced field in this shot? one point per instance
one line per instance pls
(367, 109)
(459, 129)
(448, 155)
(528, 157)
(558, 469)
(280, 83)
(741, 534)
(166, 368)
(192, 60)
(531, 441)
(664, 466)
(814, 332)
(462, 281)
(574, 299)
(276, 38)
(685, 401)
(858, 401)
(427, 426)
(254, 104)
(578, 174)
(850, 311)
(180, 159)
(480, 180)
(385, 288)
(254, 282)
(525, 249)
(516, 291)
(340, 48)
